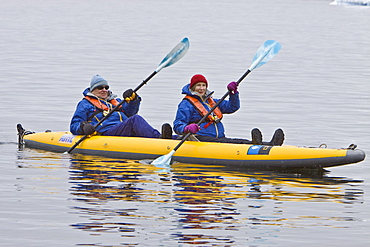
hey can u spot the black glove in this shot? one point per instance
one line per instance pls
(129, 95)
(87, 129)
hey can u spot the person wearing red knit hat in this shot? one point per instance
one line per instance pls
(198, 78)
(198, 102)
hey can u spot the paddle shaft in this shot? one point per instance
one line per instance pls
(123, 100)
(145, 81)
(210, 111)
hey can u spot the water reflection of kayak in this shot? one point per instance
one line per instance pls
(239, 155)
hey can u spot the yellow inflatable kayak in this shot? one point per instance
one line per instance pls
(242, 155)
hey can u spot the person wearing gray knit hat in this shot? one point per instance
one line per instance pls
(97, 80)
(123, 120)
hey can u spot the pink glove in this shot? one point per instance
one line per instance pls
(192, 128)
(232, 87)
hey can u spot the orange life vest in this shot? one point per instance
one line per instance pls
(100, 105)
(217, 116)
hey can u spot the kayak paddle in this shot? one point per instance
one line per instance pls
(172, 57)
(264, 54)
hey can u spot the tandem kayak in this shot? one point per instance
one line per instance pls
(241, 155)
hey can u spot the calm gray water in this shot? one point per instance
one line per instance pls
(316, 89)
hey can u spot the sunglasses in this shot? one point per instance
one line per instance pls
(101, 87)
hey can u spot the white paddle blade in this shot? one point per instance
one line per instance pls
(164, 160)
(265, 53)
(175, 54)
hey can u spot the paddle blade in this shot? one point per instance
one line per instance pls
(265, 53)
(164, 160)
(175, 54)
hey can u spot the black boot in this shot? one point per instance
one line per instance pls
(256, 137)
(166, 131)
(277, 138)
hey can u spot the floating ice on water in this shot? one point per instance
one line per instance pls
(351, 2)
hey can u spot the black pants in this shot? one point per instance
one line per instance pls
(223, 140)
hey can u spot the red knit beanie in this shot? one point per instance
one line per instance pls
(198, 78)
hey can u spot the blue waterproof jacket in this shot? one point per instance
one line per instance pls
(187, 114)
(85, 111)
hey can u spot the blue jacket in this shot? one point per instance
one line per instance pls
(85, 110)
(187, 114)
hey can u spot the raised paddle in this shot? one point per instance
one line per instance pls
(264, 54)
(172, 57)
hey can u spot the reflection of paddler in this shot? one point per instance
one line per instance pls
(205, 203)
(103, 181)
(198, 189)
